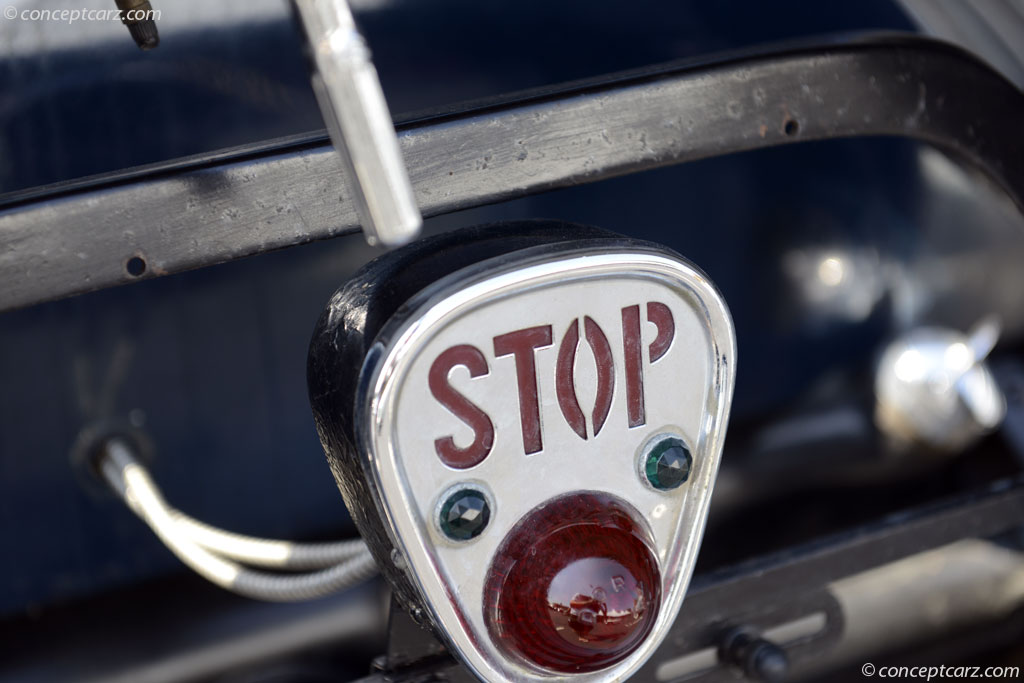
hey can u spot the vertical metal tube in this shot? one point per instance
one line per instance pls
(360, 126)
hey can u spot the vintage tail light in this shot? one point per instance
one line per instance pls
(575, 586)
(526, 421)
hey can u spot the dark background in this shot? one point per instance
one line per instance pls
(211, 363)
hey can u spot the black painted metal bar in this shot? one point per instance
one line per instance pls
(793, 580)
(791, 583)
(81, 236)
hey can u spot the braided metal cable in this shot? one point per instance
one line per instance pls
(212, 552)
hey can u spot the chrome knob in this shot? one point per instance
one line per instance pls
(934, 389)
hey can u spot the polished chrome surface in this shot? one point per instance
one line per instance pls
(689, 393)
(934, 389)
(357, 118)
(79, 237)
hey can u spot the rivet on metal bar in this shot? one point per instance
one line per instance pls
(358, 121)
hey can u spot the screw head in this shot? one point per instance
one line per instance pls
(668, 463)
(464, 514)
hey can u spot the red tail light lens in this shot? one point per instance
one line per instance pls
(574, 586)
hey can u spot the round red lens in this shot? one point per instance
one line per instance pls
(574, 586)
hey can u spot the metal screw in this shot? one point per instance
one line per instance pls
(418, 616)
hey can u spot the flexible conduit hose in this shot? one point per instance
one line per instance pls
(265, 552)
(212, 552)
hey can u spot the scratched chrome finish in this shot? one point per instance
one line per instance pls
(77, 237)
(688, 391)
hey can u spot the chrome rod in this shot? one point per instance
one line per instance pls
(357, 118)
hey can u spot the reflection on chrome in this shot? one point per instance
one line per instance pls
(933, 388)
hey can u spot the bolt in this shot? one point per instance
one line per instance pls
(759, 659)
(418, 616)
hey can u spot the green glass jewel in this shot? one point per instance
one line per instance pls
(464, 515)
(668, 464)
